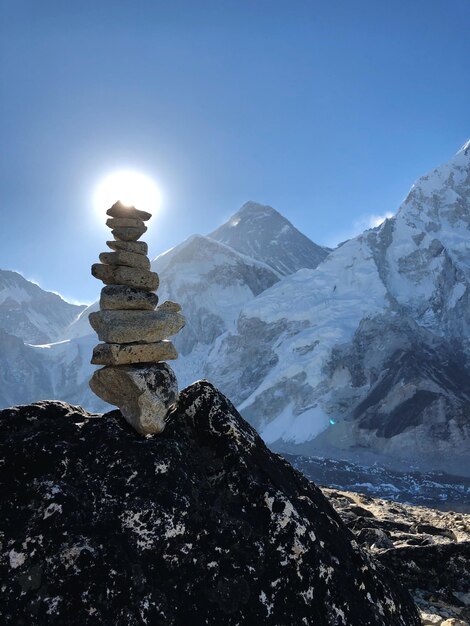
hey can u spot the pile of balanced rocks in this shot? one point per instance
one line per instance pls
(133, 328)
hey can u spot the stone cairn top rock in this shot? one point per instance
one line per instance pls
(133, 328)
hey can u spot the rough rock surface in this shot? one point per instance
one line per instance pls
(123, 297)
(128, 233)
(121, 210)
(170, 306)
(428, 550)
(125, 222)
(122, 257)
(137, 247)
(143, 393)
(201, 525)
(123, 354)
(130, 276)
(135, 326)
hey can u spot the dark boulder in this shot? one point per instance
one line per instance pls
(200, 525)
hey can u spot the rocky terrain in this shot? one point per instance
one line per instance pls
(428, 551)
(199, 525)
(432, 489)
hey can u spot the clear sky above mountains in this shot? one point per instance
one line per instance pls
(327, 111)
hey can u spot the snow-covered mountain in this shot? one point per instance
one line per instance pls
(29, 312)
(212, 282)
(24, 376)
(369, 352)
(262, 233)
(365, 356)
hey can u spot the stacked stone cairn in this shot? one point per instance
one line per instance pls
(134, 329)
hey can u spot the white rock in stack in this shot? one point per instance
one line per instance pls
(135, 333)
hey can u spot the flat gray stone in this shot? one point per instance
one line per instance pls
(143, 393)
(124, 222)
(137, 247)
(121, 210)
(130, 276)
(129, 259)
(135, 326)
(170, 306)
(128, 233)
(118, 297)
(125, 354)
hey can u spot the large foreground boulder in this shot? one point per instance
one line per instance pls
(200, 525)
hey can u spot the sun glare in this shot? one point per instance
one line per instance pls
(131, 188)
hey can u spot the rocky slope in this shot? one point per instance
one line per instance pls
(262, 233)
(29, 312)
(202, 525)
(428, 550)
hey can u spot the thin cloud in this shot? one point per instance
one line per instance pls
(362, 223)
(376, 220)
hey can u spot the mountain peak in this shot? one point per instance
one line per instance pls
(465, 149)
(252, 207)
(261, 232)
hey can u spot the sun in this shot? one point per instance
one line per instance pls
(131, 188)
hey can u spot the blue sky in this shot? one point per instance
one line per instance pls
(328, 111)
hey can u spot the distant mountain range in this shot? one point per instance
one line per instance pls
(29, 312)
(360, 353)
